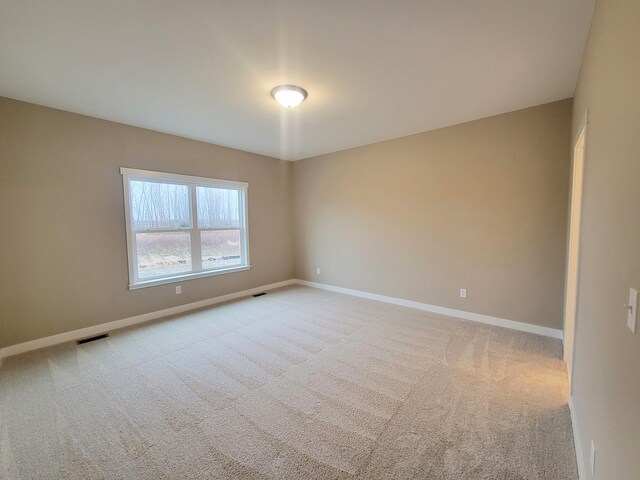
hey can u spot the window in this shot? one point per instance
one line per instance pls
(181, 227)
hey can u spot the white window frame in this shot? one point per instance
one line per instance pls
(191, 182)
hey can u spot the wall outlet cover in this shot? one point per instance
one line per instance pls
(178, 289)
(463, 293)
(632, 310)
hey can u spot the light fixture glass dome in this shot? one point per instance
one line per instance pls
(289, 96)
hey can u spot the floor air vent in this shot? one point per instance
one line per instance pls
(91, 339)
(260, 294)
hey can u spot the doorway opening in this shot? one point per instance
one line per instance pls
(573, 251)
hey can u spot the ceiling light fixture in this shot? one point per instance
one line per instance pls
(289, 96)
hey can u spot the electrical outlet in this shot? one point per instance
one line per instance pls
(318, 271)
(593, 458)
(463, 293)
(632, 310)
(178, 289)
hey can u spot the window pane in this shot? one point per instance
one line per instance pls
(218, 207)
(159, 206)
(163, 253)
(220, 248)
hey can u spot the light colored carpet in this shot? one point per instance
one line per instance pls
(299, 383)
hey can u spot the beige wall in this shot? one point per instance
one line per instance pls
(606, 386)
(417, 217)
(481, 205)
(63, 255)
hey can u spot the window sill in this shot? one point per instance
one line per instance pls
(187, 276)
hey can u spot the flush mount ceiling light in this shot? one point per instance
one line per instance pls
(289, 96)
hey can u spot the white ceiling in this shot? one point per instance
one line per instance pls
(374, 69)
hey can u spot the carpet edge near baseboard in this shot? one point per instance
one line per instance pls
(74, 335)
(146, 317)
(449, 312)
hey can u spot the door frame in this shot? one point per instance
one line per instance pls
(574, 250)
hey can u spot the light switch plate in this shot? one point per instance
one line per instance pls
(632, 310)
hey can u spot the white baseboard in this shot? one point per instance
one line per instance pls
(577, 442)
(126, 322)
(476, 317)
